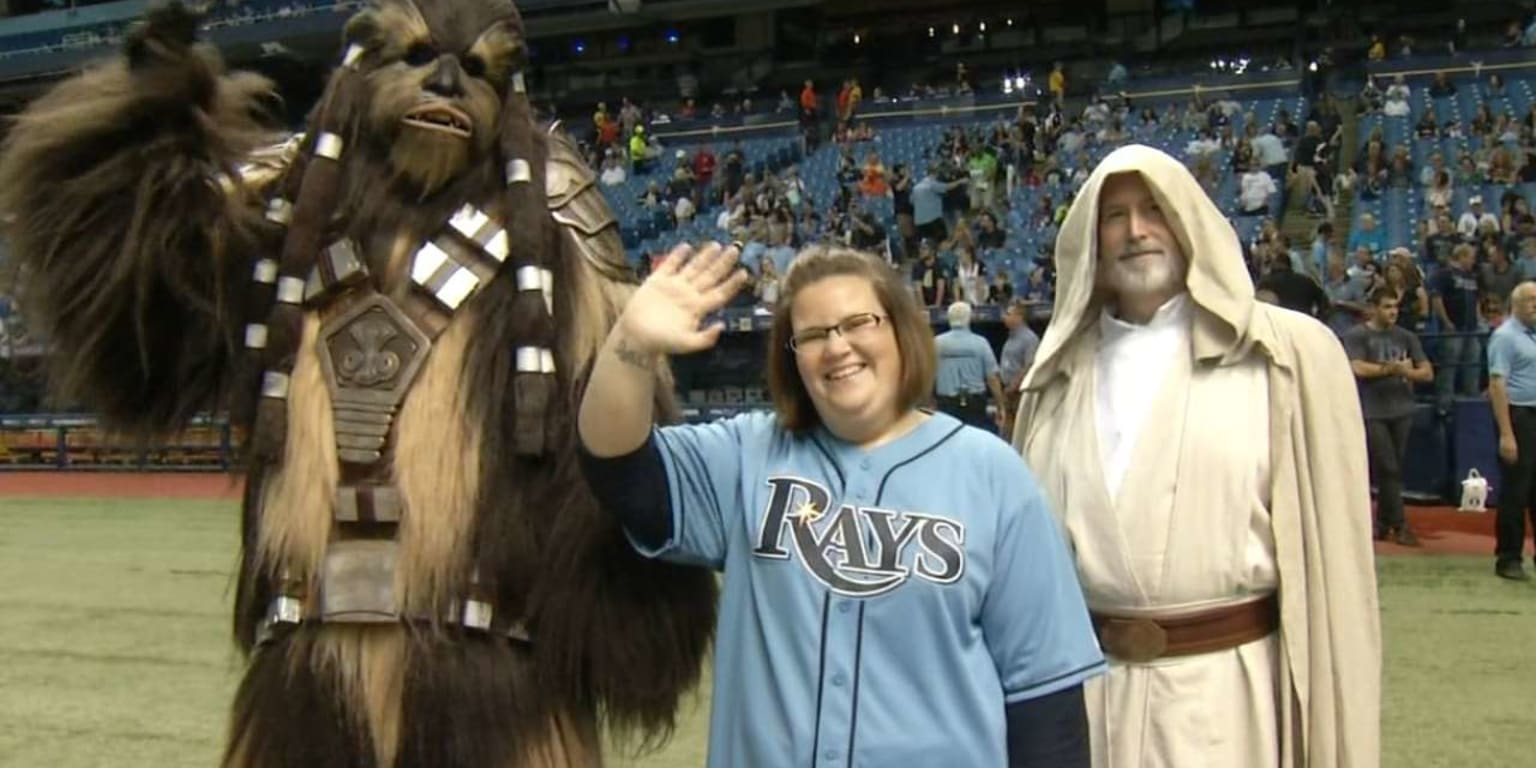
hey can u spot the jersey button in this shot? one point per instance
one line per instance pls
(864, 464)
(839, 679)
(830, 754)
(845, 606)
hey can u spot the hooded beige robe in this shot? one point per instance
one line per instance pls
(1247, 477)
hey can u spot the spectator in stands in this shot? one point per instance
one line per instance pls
(641, 152)
(1371, 97)
(1429, 175)
(1365, 264)
(967, 371)
(704, 162)
(613, 173)
(1323, 246)
(1403, 277)
(988, 235)
(1000, 292)
(1498, 276)
(1368, 236)
(1501, 167)
(1056, 83)
(981, 166)
(1295, 292)
(1400, 169)
(931, 279)
(1441, 87)
(1427, 127)
(1475, 219)
(1454, 300)
(766, 286)
(872, 181)
(970, 277)
(1256, 187)
(1346, 295)
(1387, 361)
(1373, 170)
(1396, 103)
(1270, 153)
(1512, 391)
(1441, 193)
(928, 205)
(630, 117)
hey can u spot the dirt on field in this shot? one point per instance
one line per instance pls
(1441, 530)
(123, 485)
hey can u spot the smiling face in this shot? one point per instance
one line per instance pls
(852, 374)
(1140, 259)
(436, 74)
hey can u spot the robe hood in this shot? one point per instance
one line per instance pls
(1218, 280)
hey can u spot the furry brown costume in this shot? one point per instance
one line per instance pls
(401, 305)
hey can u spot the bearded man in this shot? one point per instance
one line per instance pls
(400, 306)
(1206, 456)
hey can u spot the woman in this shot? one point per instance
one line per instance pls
(1404, 281)
(885, 567)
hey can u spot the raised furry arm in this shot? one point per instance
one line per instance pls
(132, 236)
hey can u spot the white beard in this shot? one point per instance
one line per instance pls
(1153, 275)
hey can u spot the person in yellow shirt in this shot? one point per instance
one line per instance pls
(1057, 84)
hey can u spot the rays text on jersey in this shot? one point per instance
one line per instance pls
(857, 551)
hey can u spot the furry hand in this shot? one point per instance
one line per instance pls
(165, 35)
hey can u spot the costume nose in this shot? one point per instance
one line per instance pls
(448, 79)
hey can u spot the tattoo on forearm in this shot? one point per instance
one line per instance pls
(634, 357)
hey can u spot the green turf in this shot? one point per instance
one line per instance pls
(115, 651)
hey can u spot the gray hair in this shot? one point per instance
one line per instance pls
(959, 315)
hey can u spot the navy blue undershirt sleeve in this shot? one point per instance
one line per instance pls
(633, 488)
(1049, 732)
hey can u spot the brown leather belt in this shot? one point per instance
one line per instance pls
(1139, 639)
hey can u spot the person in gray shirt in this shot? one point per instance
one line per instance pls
(967, 370)
(1387, 361)
(1018, 355)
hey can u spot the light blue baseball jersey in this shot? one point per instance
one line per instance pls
(880, 608)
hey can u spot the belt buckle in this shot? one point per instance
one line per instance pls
(1134, 640)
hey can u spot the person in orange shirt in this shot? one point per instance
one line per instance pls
(808, 99)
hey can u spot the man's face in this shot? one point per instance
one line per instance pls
(1013, 318)
(1138, 254)
(1386, 312)
(1523, 303)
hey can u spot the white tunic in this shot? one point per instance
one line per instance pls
(1168, 512)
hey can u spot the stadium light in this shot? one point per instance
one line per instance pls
(857, 39)
(930, 31)
(673, 37)
(957, 28)
(982, 27)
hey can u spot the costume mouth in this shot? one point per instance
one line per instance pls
(1132, 255)
(441, 117)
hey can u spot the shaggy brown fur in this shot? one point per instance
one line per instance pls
(142, 307)
(484, 455)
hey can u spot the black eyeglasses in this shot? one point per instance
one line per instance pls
(851, 327)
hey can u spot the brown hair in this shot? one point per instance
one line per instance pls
(914, 334)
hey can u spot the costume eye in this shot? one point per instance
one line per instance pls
(420, 54)
(474, 66)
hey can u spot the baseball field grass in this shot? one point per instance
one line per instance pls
(115, 649)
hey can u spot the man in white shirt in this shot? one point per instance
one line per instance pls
(1256, 187)
(1476, 219)
(1194, 547)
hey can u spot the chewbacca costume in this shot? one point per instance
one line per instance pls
(399, 306)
